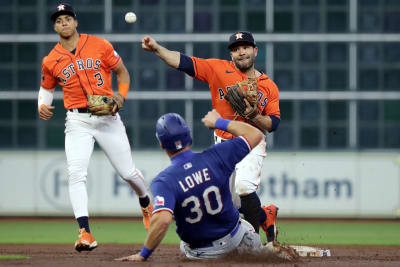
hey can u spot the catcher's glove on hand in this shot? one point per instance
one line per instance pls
(236, 94)
(100, 105)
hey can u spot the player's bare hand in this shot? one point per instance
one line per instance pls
(119, 102)
(149, 44)
(210, 118)
(135, 257)
(45, 113)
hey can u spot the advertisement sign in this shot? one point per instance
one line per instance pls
(300, 184)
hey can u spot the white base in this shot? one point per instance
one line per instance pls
(305, 251)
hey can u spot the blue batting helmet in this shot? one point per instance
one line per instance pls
(172, 132)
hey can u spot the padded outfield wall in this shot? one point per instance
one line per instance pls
(356, 185)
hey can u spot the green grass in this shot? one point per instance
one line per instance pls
(340, 233)
(127, 232)
(13, 257)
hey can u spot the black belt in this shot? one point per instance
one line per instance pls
(80, 110)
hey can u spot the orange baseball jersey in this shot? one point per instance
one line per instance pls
(87, 71)
(220, 75)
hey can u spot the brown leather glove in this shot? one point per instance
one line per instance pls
(100, 105)
(237, 94)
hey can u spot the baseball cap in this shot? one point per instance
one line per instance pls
(62, 9)
(241, 37)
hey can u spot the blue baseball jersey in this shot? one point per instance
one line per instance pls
(195, 189)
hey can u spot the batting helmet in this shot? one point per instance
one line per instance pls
(172, 132)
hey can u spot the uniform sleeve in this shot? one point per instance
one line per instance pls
(111, 57)
(203, 68)
(231, 152)
(47, 80)
(164, 198)
(272, 107)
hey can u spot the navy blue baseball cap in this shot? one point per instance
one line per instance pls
(241, 37)
(172, 132)
(62, 9)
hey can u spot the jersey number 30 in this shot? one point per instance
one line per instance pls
(196, 204)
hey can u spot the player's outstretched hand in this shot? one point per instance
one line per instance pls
(45, 113)
(210, 118)
(149, 44)
(135, 257)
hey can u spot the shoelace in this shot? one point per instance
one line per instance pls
(146, 211)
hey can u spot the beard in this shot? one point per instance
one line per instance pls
(244, 63)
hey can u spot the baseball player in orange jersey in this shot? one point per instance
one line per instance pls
(220, 75)
(81, 64)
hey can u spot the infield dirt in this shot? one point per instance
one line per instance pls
(169, 255)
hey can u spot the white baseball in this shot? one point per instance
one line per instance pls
(130, 17)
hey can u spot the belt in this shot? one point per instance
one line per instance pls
(79, 110)
(210, 244)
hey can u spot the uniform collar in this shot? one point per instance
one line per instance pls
(182, 157)
(82, 40)
(263, 76)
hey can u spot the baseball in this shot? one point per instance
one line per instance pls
(130, 17)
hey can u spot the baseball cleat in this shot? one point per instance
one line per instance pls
(86, 241)
(147, 213)
(281, 251)
(269, 225)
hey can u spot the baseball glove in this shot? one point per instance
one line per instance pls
(100, 105)
(236, 94)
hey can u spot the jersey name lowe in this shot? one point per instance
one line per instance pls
(198, 178)
(195, 188)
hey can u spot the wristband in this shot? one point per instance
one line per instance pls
(123, 89)
(145, 252)
(222, 124)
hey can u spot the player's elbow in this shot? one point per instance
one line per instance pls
(164, 225)
(124, 72)
(121, 70)
(163, 219)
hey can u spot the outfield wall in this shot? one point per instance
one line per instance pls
(302, 184)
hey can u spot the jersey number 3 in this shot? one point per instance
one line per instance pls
(99, 79)
(196, 204)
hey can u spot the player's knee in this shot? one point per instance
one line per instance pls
(76, 174)
(134, 175)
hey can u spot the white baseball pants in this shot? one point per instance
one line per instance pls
(244, 240)
(247, 176)
(81, 131)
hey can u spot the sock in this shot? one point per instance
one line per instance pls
(263, 216)
(250, 207)
(84, 223)
(144, 201)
